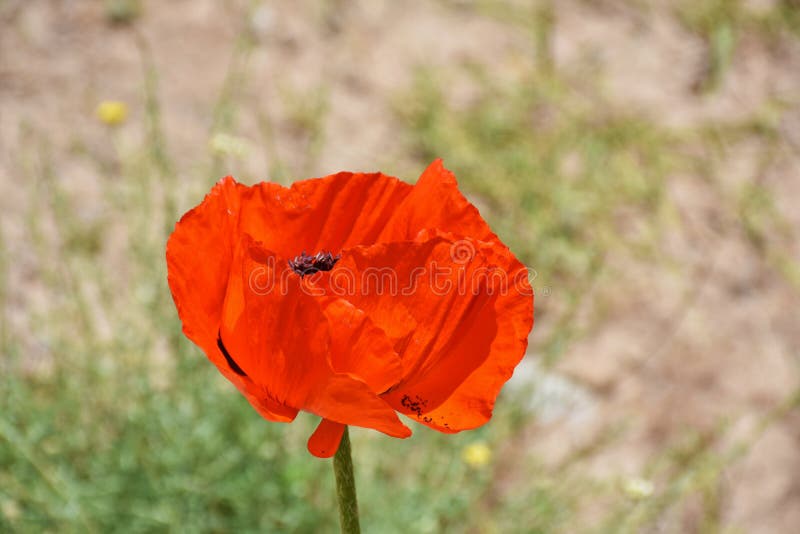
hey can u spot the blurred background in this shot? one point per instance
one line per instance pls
(642, 156)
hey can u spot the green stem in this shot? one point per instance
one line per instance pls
(346, 487)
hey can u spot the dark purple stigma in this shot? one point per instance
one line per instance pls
(305, 264)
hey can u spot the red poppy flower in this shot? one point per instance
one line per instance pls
(353, 297)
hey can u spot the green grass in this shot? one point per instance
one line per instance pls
(113, 421)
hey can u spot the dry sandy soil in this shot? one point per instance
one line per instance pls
(710, 333)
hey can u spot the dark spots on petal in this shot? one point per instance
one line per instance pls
(231, 362)
(416, 405)
(305, 264)
(419, 406)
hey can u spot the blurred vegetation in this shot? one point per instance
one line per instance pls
(550, 172)
(127, 428)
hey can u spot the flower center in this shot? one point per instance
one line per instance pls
(321, 261)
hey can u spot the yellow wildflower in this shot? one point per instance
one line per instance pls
(112, 112)
(476, 454)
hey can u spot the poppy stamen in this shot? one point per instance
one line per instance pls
(321, 261)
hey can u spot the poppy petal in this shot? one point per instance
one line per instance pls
(349, 401)
(330, 213)
(324, 442)
(268, 409)
(448, 315)
(424, 315)
(470, 405)
(472, 402)
(435, 202)
(281, 339)
(360, 348)
(199, 255)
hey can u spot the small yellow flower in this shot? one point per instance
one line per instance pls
(112, 112)
(638, 488)
(476, 454)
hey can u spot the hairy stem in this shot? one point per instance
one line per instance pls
(346, 487)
